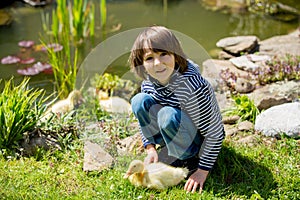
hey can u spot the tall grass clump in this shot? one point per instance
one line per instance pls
(20, 110)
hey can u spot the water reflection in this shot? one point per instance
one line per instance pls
(189, 17)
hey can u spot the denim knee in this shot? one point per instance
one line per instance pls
(169, 118)
(138, 101)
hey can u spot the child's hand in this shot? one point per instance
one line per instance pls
(152, 155)
(196, 180)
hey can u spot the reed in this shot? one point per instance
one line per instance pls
(103, 13)
(78, 17)
(64, 65)
(92, 21)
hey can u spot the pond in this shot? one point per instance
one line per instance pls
(200, 26)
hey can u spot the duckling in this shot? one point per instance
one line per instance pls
(66, 105)
(113, 104)
(73, 100)
(154, 175)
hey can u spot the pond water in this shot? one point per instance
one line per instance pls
(187, 17)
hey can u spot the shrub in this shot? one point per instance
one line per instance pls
(106, 82)
(244, 107)
(20, 110)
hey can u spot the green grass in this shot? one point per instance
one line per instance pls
(263, 171)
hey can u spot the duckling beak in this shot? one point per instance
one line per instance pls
(128, 173)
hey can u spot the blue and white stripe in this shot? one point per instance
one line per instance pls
(191, 93)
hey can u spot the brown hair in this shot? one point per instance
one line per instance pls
(157, 39)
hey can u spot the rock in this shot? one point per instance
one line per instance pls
(230, 130)
(242, 62)
(95, 158)
(243, 86)
(281, 45)
(232, 6)
(248, 140)
(239, 44)
(213, 82)
(258, 58)
(245, 126)
(231, 119)
(249, 62)
(132, 144)
(212, 68)
(223, 101)
(281, 119)
(275, 94)
(223, 55)
(274, 9)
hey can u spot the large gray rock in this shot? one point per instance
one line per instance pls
(281, 45)
(238, 44)
(281, 119)
(212, 68)
(275, 94)
(249, 62)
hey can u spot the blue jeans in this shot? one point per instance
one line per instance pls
(167, 126)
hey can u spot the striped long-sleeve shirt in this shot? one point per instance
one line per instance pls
(191, 93)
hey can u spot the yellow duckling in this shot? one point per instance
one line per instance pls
(154, 175)
(113, 104)
(66, 105)
(73, 100)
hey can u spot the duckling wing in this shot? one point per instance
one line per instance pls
(152, 182)
(164, 175)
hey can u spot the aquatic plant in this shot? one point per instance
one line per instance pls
(64, 66)
(80, 16)
(27, 61)
(20, 110)
(77, 16)
(36, 69)
(26, 43)
(103, 13)
(10, 60)
(24, 58)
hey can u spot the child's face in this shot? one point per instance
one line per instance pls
(159, 65)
